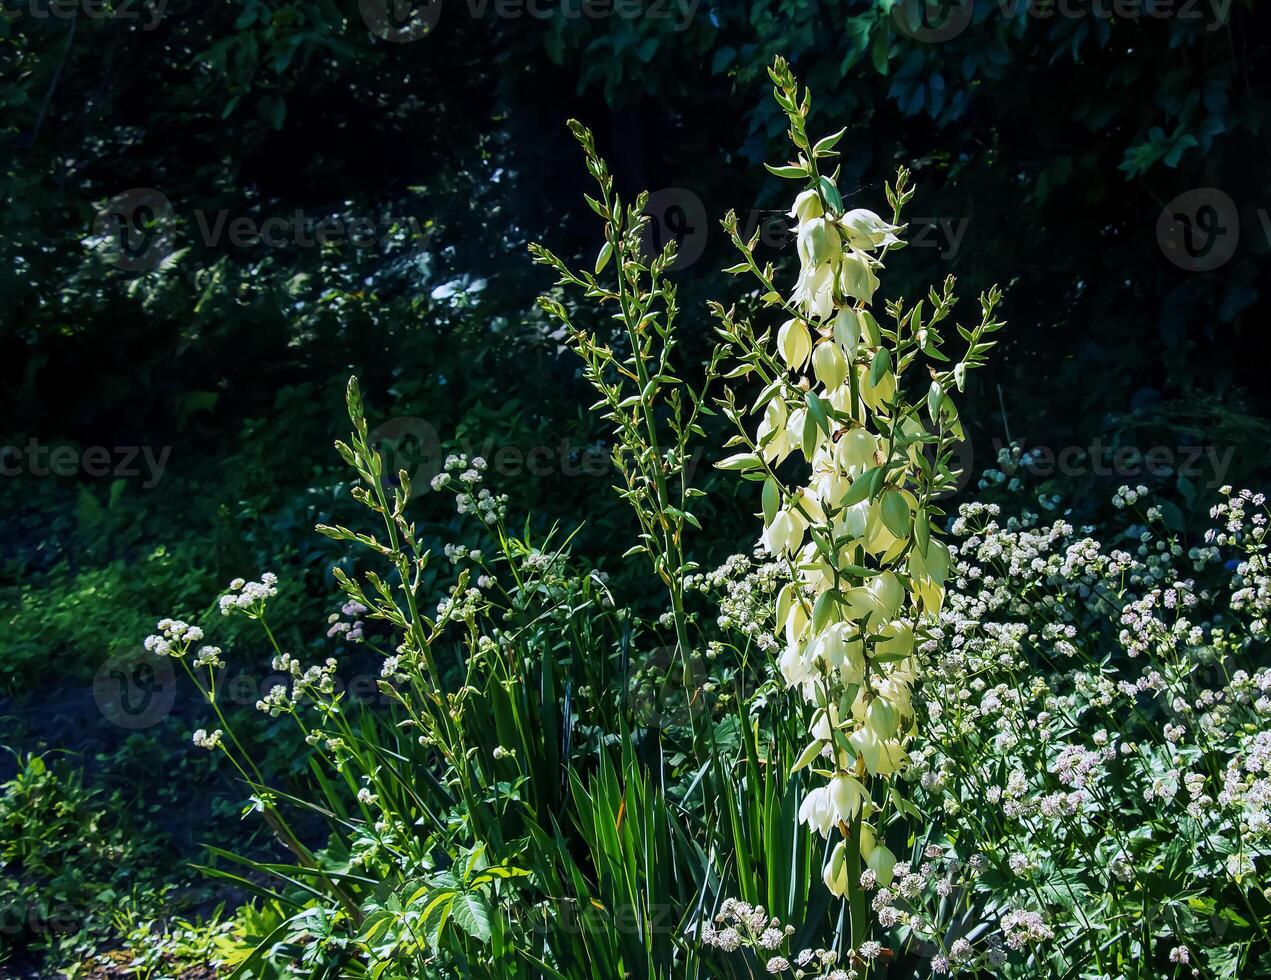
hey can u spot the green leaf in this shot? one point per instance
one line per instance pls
(825, 147)
(922, 531)
(790, 171)
(879, 366)
(823, 610)
(863, 486)
(771, 499)
(895, 513)
(830, 194)
(471, 913)
(817, 411)
(741, 461)
(809, 434)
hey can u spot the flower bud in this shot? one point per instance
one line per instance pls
(835, 873)
(847, 330)
(883, 863)
(829, 365)
(856, 276)
(795, 343)
(877, 396)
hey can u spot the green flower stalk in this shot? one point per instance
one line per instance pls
(857, 526)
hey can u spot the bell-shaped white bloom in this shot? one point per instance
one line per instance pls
(930, 596)
(878, 537)
(855, 519)
(826, 721)
(792, 618)
(818, 812)
(830, 484)
(879, 599)
(894, 689)
(819, 242)
(784, 535)
(866, 230)
(857, 451)
(882, 719)
(835, 874)
(814, 291)
(773, 438)
(829, 365)
(847, 330)
(899, 642)
(881, 756)
(807, 206)
(857, 278)
(933, 565)
(794, 342)
(847, 795)
(795, 666)
(888, 593)
(840, 650)
(841, 400)
(876, 396)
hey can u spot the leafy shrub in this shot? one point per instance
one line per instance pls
(70, 858)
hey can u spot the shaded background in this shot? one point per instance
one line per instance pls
(1105, 164)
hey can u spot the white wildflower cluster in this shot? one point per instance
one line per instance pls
(317, 682)
(460, 552)
(347, 623)
(205, 741)
(740, 925)
(173, 639)
(249, 598)
(209, 657)
(464, 478)
(461, 604)
(1076, 697)
(744, 590)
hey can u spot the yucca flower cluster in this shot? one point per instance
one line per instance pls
(859, 583)
(864, 569)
